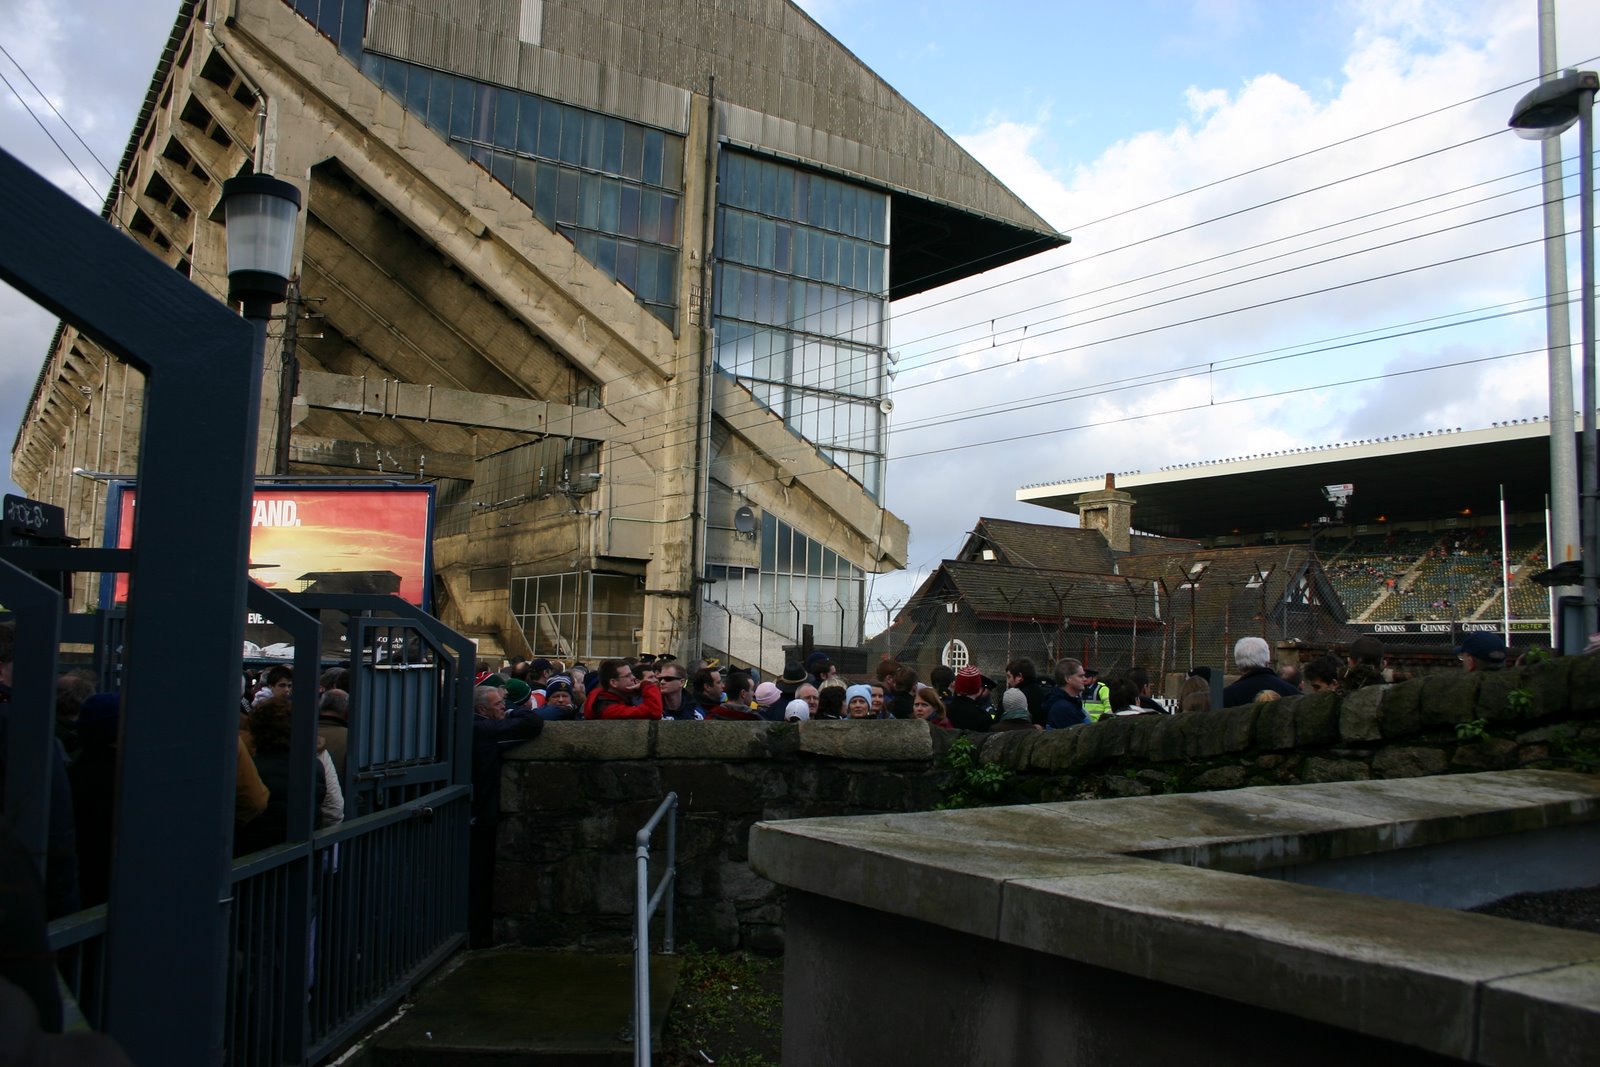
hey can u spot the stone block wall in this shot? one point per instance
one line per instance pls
(573, 799)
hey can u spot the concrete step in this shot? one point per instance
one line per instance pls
(521, 1006)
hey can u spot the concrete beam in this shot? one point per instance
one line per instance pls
(390, 398)
(366, 456)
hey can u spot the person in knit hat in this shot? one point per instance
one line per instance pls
(1014, 713)
(963, 709)
(858, 702)
(769, 702)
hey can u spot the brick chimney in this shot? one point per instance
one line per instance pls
(1110, 511)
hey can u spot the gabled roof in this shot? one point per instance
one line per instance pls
(1152, 583)
(1056, 548)
(999, 591)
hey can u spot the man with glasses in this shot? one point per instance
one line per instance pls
(671, 679)
(619, 695)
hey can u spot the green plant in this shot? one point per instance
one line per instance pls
(971, 784)
(1520, 700)
(1472, 730)
(1535, 655)
(1564, 744)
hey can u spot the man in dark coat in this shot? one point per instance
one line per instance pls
(1253, 657)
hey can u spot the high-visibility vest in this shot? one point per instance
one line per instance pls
(1096, 700)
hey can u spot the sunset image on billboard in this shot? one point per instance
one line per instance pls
(340, 539)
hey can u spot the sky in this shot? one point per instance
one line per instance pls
(1268, 202)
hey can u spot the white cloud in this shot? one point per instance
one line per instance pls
(1405, 59)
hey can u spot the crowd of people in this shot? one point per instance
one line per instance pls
(661, 687)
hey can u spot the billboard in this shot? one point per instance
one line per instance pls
(318, 538)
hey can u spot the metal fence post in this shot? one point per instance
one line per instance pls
(186, 611)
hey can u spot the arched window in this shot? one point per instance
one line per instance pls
(955, 655)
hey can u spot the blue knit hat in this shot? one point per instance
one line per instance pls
(862, 691)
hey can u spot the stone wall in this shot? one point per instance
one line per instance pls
(573, 799)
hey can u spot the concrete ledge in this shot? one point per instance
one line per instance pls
(617, 739)
(896, 739)
(712, 740)
(1086, 882)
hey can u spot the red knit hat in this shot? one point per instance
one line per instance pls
(968, 682)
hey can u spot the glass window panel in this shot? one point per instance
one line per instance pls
(769, 188)
(652, 156)
(549, 131)
(503, 169)
(668, 233)
(461, 108)
(785, 547)
(606, 255)
(483, 112)
(633, 151)
(768, 241)
(571, 136)
(546, 184)
(649, 214)
(594, 141)
(645, 272)
(567, 197)
(749, 238)
(611, 156)
(769, 545)
(394, 80)
(880, 277)
(666, 280)
(626, 263)
(610, 204)
(672, 163)
(847, 263)
(830, 564)
(588, 201)
(830, 258)
(527, 124)
(628, 218)
(440, 88)
(814, 255)
(785, 191)
(782, 237)
(505, 117)
(764, 309)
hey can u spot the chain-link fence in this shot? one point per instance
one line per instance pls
(1163, 624)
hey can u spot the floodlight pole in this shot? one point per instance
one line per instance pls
(1545, 112)
(1565, 534)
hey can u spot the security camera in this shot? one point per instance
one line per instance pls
(1338, 495)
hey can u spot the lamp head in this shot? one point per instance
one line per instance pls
(260, 213)
(1550, 108)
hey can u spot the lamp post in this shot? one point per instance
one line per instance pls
(1547, 111)
(260, 212)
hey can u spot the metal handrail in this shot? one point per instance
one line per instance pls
(646, 903)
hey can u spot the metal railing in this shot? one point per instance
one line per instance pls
(646, 903)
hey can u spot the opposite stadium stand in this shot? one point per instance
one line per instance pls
(1443, 575)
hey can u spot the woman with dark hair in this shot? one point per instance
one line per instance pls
(270, 724)
(830, 702)
(927, 706)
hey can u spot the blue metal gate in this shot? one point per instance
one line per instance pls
(280, 956)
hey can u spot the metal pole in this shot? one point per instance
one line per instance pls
(1591, 542)
(288, 374)
(1564, 526)
(1505, 570)
(641, 954)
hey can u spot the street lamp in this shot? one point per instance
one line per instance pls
(1548, 110)
(260, 213)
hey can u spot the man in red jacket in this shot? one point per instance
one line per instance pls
(620, 695)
